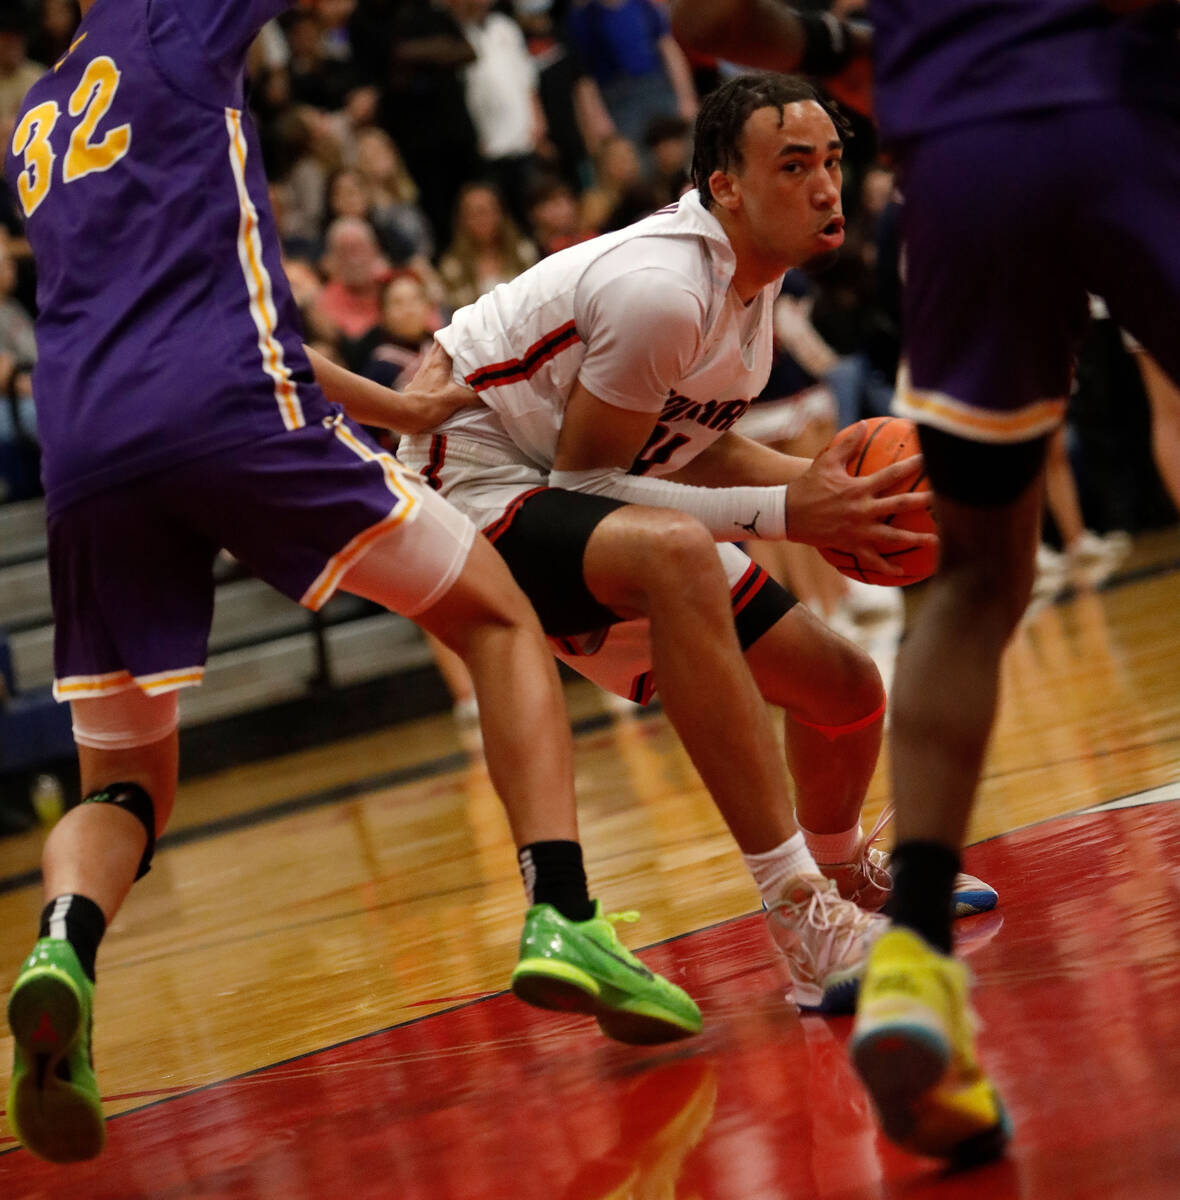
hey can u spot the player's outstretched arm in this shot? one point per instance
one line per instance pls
(431, 397)
(777, 37)
(759, 33)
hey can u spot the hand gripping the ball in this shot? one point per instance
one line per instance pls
(868, 524)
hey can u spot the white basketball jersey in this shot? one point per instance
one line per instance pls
(522, 346)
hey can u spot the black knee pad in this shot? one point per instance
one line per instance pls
(133, 799)
(980, 474)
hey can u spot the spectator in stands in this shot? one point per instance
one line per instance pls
(53, 31)
(350, 303)
(641, 71)
(317, 78)
(17, 245)
(349, 195)
(333, 17)
(371, 35)
(487, 248)
(393, 193)
(18, 353)
(617, 170)
(18, 72)
(669, 147)
(424, 107)
(575, 115)
(553, 215)
(394, 350)
(501, 91)
(401, 226)
(314, 154)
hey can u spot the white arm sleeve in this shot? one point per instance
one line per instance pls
(730, 514)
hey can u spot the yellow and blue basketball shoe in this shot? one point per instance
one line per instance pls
(581, 966)
(53, 1102)
(913, 1046)
(865, 880)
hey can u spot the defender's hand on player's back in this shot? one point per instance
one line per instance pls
(826, 506)
(433, 391)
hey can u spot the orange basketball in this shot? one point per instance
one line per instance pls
(882, 441)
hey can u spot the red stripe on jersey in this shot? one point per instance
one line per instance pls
(500, 525)
(516, 370)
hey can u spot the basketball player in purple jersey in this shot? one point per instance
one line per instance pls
(1039, 149)
(180, 414)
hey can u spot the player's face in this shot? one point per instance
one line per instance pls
(789, 184)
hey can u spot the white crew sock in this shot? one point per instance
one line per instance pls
(774, 869)
(833, 847)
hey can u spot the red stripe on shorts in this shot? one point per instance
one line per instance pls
(746, 588)
(500, 525)
(438, 454)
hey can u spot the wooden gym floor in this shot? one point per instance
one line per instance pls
(304, 998)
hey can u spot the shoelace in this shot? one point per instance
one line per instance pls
(627, 917)
(826, 913)
(876, 872)
(879, 828)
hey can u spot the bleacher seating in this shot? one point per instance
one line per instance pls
(265, 650)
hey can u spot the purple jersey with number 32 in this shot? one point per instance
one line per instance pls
(166, 329)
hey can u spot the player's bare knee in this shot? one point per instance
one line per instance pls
(995, 594)
(862, 689)
(848, 688)
(676, 549)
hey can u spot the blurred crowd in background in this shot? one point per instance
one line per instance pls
(422, 151)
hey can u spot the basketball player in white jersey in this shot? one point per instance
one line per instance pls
(602, 465)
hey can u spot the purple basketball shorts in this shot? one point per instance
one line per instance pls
(1007, 225)
(131, 567)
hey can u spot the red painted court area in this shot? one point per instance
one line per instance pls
(1078, 975)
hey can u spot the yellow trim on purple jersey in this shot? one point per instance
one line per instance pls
(928, 407)
(258, 282)
(87, 687)
(406, 509)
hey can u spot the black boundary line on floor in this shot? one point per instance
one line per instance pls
(363, 1037)
(1092, 810)
(431, 768)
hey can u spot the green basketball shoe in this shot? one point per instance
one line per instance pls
(581, 966)
(53, 1102)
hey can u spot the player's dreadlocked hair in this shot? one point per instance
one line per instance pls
(723, 115)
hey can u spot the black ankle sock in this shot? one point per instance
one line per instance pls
(553, 874)
(80, 922)
(923, 890)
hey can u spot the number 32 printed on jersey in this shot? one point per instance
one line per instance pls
(92, 100)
